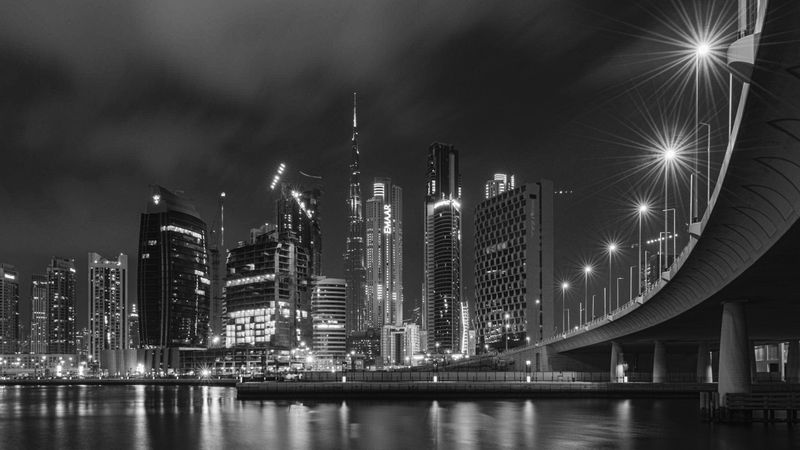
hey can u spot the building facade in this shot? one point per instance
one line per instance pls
(267, 292)
(108, 304)
(329, 314)
(61, 283)
(443, 216)
(39, 311)
(384, 255)
(354, 263)
(514, 237)
(173, 279)
(9, 309)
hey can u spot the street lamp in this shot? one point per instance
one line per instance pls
(674, 235)
(612, 248)
(708, 164)
(564, 287)
(643, 208)
(702, 50)
(587, 269)
(528, 370)
(670, 153)
(618, 278)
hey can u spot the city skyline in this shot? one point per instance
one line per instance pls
(315, 138)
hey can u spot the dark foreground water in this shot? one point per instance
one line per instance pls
(120, 417)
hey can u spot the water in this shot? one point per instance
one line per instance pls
(120, 417)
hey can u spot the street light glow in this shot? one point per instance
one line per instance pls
(612, 247)
(587, 269)
(643, 208)
(565, 285)
(670, 153)
(703, 49)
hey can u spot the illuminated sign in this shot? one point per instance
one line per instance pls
(387, 219)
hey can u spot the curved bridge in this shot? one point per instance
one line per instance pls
(747, 246)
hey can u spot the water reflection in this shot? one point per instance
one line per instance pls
(210, 417)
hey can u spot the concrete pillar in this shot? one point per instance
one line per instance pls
(735, 352)
(659, 362)
(616, 371)
(781, 367)
(793, 362)
(704, 372)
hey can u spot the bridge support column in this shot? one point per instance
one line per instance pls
(793, 362)
(617, 372)
(735, 352)
(659, 362)
(704, 372)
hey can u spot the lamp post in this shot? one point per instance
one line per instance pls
(528, 370)
(643, 208)
(669, 155)
(702, 50)
(630, 283)
(564, 287)
(612, 248)
(618, 278)
(708, 163)
(587, 269)
(674, 240)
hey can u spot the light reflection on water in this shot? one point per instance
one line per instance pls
(211, 417)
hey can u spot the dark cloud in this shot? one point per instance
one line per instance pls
(100, 99)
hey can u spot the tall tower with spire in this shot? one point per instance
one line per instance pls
(217, 254)
(355, 274)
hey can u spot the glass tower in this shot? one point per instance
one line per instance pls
(173, 279)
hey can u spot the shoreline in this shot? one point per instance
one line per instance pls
(465, 390)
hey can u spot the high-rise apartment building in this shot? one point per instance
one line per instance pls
(354, 264)
(384, 254)
(61, 282)
(39, 311)
(267, 292)
(9, 309)
(443, 294)
(329, 313)
(173, 279)
(108, 304)
(514, 238)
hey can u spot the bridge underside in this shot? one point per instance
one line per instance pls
(748, 250)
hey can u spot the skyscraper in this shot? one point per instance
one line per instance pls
(328, 310)
(61, 279)
(267, 292)
(514, 265)
(298, 213)
(108, 304)
(9, 309)
(39, 311)
(173, 294)
(133, 327)
(354, 264)
(217, 253)
(384, 257)
(443, 249)
(499, 184)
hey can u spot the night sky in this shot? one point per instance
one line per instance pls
(98, 100)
